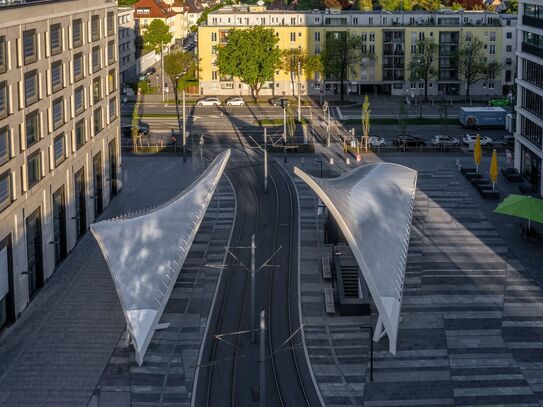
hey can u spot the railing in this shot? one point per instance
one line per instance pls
(532, 21)
(532, 49)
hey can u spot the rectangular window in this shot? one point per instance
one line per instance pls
(509, 35)
(492, 49)
(110, 23)
(30, 49)
(58, 113)
(96, 90)
(112, 81)
(3, 99)
(3, 56)
(80, 138)
(372, 36)
(32, 125)
(78, 100)
(508, 48)
(213, 75)
(95, 28)
(56, 76)
(77, 33)
(213, 37)
(317, 36)
(5, 190)
(492, 36)
(97, 117)
(110, 52)
(59, 147)
(112, 109)
(292, 37)
(96, 59)
(55, 32)
(4, 144)
(31, 87)
(34, 169)
(78, 67)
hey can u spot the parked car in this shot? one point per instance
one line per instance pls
(408, 141)
(508, 140)
(485, 140)
(208, 101)
(278, 101)
(447, 141)
(376, 141)
(142, 77)
(151, 70)
(235, 101)
(126, 131)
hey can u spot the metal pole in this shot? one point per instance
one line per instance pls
(253, 305)
(162, 68)
(299, 90)
(184, 128)
(262, 359)
(285, 124)
(328, 129)
(265, 170)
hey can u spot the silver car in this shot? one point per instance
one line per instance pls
(235, 101)
(376, 141)
(445, 141)
(209, 101)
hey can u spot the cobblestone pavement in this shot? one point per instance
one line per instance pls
(72, 336)
(472, 315)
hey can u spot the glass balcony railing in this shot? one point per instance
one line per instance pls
(532, 21)
(532, 49)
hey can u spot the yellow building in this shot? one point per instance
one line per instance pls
(390, 36)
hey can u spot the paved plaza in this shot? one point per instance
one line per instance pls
(472, 313)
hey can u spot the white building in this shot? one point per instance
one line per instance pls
(529, 132)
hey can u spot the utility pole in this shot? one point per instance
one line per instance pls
(184, 128)
(265, 160)
(162, 68)
(262, 358)
(299, 90)
(253, 272)
(285, 122)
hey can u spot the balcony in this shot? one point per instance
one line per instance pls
(532, 49)
(532, 21)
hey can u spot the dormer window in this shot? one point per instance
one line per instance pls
(143, 11)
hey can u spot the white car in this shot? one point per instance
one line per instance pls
(485, 140)
(376, 141)
(209, 101)
(235, 101)
(445, 141)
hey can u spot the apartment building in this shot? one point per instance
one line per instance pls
(145, 11)
(390, 36)
(509, 60)
(59, 136)
(529, 131)
(127, 45)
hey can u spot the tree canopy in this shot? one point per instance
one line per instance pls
(178, 65)
(157, 35)
(251, 55)
(423, 65)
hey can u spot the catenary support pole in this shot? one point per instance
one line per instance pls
(262, 359)
(184, 128)
(253, 304)
(299, 90)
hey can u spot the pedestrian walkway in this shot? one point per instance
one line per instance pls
(472, 315)
(71, 336)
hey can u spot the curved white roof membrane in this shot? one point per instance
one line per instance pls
(145, 252)
(373, 206)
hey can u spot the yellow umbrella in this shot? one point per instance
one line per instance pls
(494, 168)
(477, 152)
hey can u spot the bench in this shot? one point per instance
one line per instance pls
(329, 300)
(511, 175)
(527, 189)
(326, 272)
(488, 193)
(479, 181)
(473, 175)
(466, 170)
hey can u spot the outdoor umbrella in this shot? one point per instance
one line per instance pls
(494, 168)
(477, 152)
(522, 206)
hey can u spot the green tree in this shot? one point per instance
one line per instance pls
(364, 5)
(423, 65)
(251, 55)
(157, 35)
(343, 53)
(472, 64)
(513, 6)
(290, 58)
(366, 121)
(179, 65)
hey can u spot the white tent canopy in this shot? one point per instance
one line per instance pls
(145, 252)
(373, 206)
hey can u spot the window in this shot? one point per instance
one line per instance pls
(78, 67)
(4, 145)
(110, 52)
(56, 76)
(31, 87)
(3, 57)
(317, 36)
(32, 125)
(110, 23)
(97, 117)
(111, 81)
(292, 37)
(96, 90)
(3, 99)
(509, 35)
(80, 137)
(96, 59)
(508, 48)
(372, 36)
(213, 75)
(492, 36)
(492, 49)
(55, 32)
(59, 148)
(213, 37)
(77, 33)
(79, 104)
(34, 169)
(58, 113)
(95, 28)
(5, 190)
(30, 49)
(355, 20)
(112, 109)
